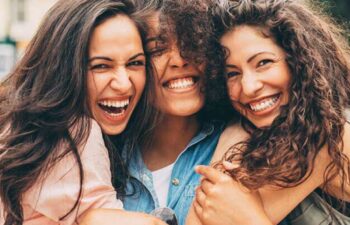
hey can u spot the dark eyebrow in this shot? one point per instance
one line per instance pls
(137, 55)
(111, 60)
(231, 66)
(100, 57)
(260, 53)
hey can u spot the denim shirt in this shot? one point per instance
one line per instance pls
(183, 179)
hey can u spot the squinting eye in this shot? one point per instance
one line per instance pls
(99, 67)
(136, 63)
(232, 74)
(264, 62)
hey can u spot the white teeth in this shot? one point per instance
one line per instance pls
(266, 103)
(116, 104)
(180, 83)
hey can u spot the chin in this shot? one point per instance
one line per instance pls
(113, 130)
(262, 123)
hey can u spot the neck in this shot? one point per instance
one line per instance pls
(169, 139)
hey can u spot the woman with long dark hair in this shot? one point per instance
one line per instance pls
(287, 72)
(86, 62)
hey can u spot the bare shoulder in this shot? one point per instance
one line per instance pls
(232, 134)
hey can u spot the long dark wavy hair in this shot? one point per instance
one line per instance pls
(317, 53)
(45, 97)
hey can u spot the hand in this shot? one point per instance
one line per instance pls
(221, 200)
(117, 216)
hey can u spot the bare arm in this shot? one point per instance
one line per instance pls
(117, 216)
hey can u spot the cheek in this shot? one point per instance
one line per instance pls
(139, 83)
(233, 89)
(91, 88)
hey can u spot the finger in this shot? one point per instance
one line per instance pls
(200, 196)
(198, 209)
(208, 172)
(206, 185)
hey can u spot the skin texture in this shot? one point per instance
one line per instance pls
(116, 71)
(112, 216)
(256, 74)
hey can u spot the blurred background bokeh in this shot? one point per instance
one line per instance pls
(19, 20)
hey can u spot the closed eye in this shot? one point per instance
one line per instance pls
(99, 67)
(264, 62)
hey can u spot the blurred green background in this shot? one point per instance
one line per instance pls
(339, 9)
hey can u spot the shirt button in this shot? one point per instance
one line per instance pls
(175, 181)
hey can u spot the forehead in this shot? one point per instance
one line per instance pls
(249, 39)
(118, 33)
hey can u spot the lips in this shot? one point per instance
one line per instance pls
(114, 108)
(181, 83)
(264, 104)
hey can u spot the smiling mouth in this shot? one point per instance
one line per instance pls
(181, 83)
(264, 104)
(114, 108)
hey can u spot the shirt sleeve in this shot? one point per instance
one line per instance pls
(55, 195)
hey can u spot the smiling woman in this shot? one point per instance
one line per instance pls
(258, 76)
(117, 73)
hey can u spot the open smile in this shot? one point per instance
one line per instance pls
(114, 109)
(181, 84)
(264, 105)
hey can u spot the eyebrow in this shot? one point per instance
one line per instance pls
(250, 59)
(260, 53)
(137, 55)
(231, 66)
(109, 59)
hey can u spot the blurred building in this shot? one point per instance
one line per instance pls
(19, 20)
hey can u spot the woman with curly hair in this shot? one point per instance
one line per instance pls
(287, 72)
(86, 62)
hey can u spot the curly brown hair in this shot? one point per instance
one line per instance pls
(317, 53)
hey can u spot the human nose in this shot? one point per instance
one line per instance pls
(121, 81)
(176, 60)
(251, 84)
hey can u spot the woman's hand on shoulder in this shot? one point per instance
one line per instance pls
(118, 216)
(221, 200)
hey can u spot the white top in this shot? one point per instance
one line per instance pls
(161, 182)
